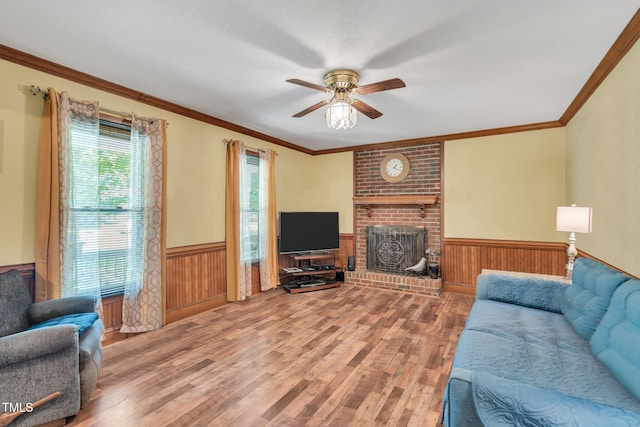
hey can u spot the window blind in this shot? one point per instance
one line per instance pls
(106, 214)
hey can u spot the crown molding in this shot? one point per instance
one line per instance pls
(49, 67)
(621, 46)
(449, 137)
(618, 50)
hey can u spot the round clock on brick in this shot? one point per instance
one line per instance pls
(394, 167)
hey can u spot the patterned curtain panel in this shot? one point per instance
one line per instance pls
(143, 306)
(78, 138)
(269, 278)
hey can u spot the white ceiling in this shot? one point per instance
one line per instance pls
(468, 64)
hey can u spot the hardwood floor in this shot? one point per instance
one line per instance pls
(346, 356)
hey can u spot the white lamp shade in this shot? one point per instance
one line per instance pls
(575, 219)
(341, 115)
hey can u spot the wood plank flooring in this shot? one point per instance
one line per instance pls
(349, 356)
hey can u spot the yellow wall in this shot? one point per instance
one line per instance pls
(333, 187)
(504, 187)
(316, 183)
(603, 166)
(195, 176)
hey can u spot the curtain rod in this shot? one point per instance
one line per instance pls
(35, 90)
(227, 141)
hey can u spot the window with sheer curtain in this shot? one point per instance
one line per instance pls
(250, 213)
(105, 214)
(252, 209)
(100, 228)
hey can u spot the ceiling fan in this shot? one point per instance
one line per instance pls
(342, 83)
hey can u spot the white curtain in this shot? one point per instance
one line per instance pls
(245, 233)
(267, 222)
(78, 139)
(240, 218)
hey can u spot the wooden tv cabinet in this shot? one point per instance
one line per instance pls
(312, 265)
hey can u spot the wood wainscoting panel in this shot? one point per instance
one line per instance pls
(112, 314)
(347, 248)
(196, 279)
(255, 279)
(464, 259)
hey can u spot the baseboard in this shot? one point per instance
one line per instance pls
(114, 337)
(459, 289)
(199, 307)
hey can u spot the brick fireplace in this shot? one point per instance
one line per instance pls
(411, 203)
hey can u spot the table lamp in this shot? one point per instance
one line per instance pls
(573, 219)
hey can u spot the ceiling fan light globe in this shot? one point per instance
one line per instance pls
(341, 115)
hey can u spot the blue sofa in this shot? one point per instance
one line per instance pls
(541, 352)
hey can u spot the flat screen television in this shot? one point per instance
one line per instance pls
(308, 231)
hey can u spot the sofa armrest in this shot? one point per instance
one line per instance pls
(458, 407)
(27, 345)
(36, 364)
(90, 343)
(42, 311)
(482, 286)
(528, 291)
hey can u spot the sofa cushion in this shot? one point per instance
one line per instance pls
(525, 324)
(81, 320)
(531, 292)
(14, 303)
(586, 301)
(576, 374)
(616, 341)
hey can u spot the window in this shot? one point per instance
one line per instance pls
(106, 211)
(252, 213)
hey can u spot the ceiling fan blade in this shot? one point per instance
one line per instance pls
(380, 86)
(307, 84)
(366, 109)
(312, 108)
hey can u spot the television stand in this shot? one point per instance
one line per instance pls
(314, 271)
